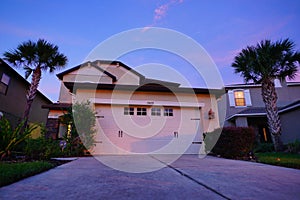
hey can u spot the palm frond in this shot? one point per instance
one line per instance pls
(267, 60)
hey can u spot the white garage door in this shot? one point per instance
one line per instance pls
(146, 129)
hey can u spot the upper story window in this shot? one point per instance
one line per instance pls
(168, 112)
(141, 111)
(4, 83)
(128, 111)
(239, 98)
(155, 111)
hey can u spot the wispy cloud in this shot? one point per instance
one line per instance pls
(161, 11)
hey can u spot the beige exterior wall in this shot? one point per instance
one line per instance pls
(124, 77)
(144, 134)
(205, 101)
(64, 95)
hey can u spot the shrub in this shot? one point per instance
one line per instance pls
(264, 147)
(234, 142)
(42, 148)
(293, 147)
(11, 138)
(80, 120)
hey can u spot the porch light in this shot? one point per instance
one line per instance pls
(211, 114)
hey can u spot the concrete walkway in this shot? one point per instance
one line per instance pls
(188, 178)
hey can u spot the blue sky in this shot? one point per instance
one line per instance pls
(222, 27)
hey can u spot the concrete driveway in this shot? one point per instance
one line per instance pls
(188, 178)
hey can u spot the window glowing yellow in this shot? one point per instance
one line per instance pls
(239, 98)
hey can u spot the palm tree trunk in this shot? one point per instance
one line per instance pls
(36, 77)
(270, 98)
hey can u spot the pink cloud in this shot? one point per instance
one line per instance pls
(161, 11)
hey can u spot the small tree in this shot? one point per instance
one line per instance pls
(262, 64)
(35, 57)
(80, 120)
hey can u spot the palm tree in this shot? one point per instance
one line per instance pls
(34, 58)
(262, 64)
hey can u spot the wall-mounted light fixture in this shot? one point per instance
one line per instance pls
(211, 114)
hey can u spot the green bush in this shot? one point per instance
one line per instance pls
(293, 147)
(233, 142)
(42, 148)
(80, 120)
(11, 138)
(264, 147)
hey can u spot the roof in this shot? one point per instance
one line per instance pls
(253, 85)
(159, 82)
(254, 111)
(146, 84)
(94, 64)
(261, 111)
(21, 78)
(151, 87)
(57, 106)
(291, 106)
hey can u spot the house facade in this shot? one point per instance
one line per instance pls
(136, 114)
(13, 90)
(245, 107)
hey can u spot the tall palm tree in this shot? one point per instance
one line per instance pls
(262, 64)
(35, 58)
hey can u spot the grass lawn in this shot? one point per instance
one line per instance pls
(280, 159)
(12, 172)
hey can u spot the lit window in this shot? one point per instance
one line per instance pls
(141, 111)
(4, 83)
(168, 112)
(128, 111)
(239, 98)
(155, 111)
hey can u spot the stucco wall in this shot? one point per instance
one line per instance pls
(291, 126)
(286, 94)
(13, 103)
(206, 101)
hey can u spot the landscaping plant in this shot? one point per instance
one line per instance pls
(233, 142)
(80, 121)
(11, 137)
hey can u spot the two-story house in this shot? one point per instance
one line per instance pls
(245, 107)
(13, 90)
(136, 114)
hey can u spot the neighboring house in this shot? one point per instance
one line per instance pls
(13, 90)
(245, 107)
(136, 114)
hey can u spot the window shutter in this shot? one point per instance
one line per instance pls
(231, 98)
(247, 97)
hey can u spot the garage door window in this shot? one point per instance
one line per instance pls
(141, 111)
(128, 111)
(155, 111)
(168, 112)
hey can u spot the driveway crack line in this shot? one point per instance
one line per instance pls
(191, 178)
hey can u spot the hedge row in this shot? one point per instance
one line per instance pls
(230, 142)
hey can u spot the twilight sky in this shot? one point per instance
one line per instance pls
(222, 27)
